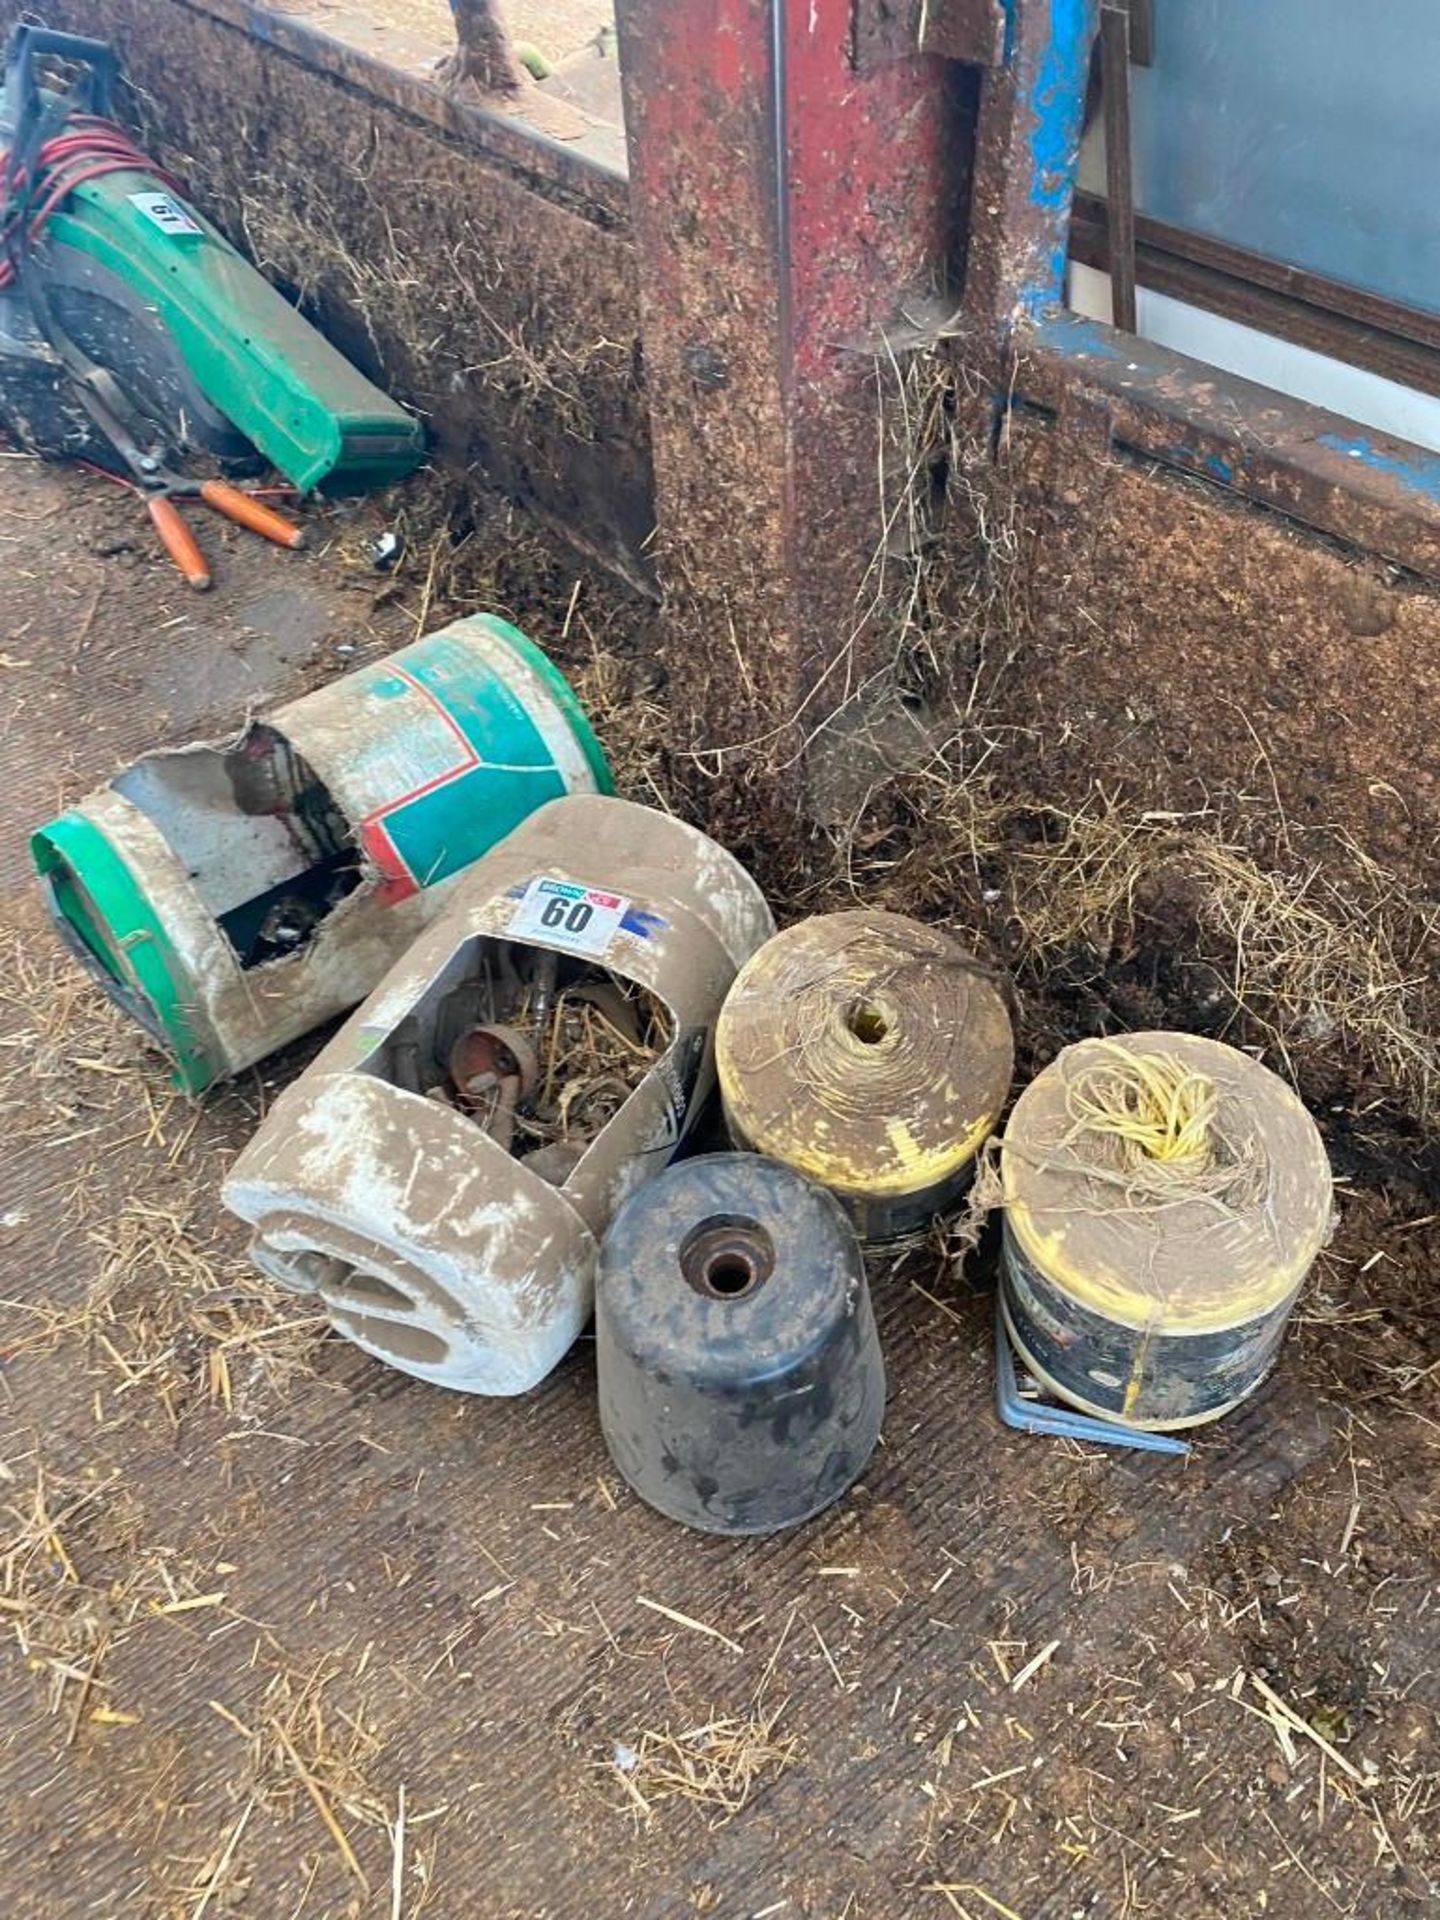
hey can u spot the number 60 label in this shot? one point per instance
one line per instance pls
(557, 914)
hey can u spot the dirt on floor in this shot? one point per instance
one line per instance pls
(287, 1634)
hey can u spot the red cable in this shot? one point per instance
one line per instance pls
(103, 473)
(87, 148)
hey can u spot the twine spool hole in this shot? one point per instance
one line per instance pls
(868, 1024)
(871, 1053)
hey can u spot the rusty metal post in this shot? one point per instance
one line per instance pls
(797, 184)
(1032, 113)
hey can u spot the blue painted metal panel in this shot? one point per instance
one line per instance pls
(1375, 492)
(1052, 98)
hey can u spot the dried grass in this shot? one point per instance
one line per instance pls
(84, 1573)
(446, 317)
(211, 1325)
(1310, 947)
(170, 1312)
(1319, 954)
(80, 1570)
(170, 1307)
(68, 1057)
(627, 712)
(717, 1766)
(301, 1737)
(591, 1065)
(1312, 950)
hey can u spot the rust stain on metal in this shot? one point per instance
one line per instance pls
(968, 30)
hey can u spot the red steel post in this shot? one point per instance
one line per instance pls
(795, 207)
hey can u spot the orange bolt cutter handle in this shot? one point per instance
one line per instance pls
(178, 541)
(246, 511)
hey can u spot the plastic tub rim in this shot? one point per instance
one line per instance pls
(71, 851)
(559, 689)
(144, 974)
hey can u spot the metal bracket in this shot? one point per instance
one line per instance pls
(1025, 1412)
(1115, 27)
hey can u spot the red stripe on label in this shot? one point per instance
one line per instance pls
(396, 881)
(469, 759)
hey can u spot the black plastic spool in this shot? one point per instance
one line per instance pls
(741, 1383)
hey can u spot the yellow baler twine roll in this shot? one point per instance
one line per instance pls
(1183, 1187)
(867, 1051)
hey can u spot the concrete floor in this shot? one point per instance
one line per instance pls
(295, 1637)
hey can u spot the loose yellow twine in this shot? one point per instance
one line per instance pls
(1173, 1136)
(1160, 1110)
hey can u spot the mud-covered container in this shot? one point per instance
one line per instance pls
(1164, 1198)
(741, 1383)
(873, 1054)
(441, 1176)
(231, 896)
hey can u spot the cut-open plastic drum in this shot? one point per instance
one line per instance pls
(231, 896)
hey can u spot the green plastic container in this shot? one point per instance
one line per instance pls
(230, 896)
